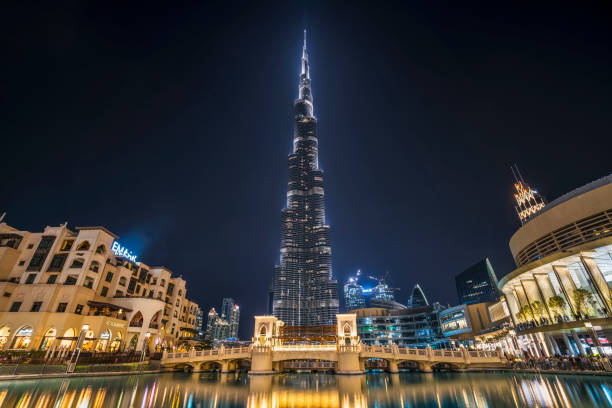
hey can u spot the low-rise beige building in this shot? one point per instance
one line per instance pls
(58, 282)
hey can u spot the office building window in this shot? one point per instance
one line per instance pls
(30, 279)
(36, 307)
(15, 306)
(61, 308)
(79, 309)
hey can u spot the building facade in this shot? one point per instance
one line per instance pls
(353, 295)
(58, 282)
(415, 327)
(477, 284)
(305, 292)
(560, 294)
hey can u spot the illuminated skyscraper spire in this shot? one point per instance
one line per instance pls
(528, 200)
(305, 92)
(304, 290)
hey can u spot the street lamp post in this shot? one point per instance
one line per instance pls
(145, 343)
(77, 350)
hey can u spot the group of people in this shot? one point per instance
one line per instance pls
(558, 362)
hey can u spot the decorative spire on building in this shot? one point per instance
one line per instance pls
(528, 201)
(417, 297)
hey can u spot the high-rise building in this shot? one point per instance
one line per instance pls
(477, 284)
(199, 320)
(417, 297)
(305, 292)
(211, 324)
(234, 321)
(226, 306)
(226, 325)
(353, 295)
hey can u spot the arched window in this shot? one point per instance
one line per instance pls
(22, 339)
(5, 332)
(48, 338)
(162, 283)
(133, 343)
(77, 263)
(122, 281)
(180, 293)
(101, 249)
(68, 338)
(137, 320)
(94, 266)
(262, 331)
(347, 329)
(83, 246)
(154, 323)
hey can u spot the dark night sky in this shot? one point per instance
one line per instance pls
(171, 127)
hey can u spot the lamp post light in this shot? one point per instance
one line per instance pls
(77, 349)
(145, 343)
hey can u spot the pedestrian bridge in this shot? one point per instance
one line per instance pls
(346, 354)
(349, 359)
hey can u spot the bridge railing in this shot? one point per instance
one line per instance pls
(420, 352)
(208, 353)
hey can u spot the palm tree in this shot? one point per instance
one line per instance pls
(538, 309)
(581, 300)
(557, 304)
(527, 312)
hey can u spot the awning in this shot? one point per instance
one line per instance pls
(91, 303)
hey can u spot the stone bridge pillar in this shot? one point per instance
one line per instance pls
(348, 360)
(393, 367)
(261, 360)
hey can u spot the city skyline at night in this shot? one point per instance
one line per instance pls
(170, 127)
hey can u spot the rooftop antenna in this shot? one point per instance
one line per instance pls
(514, 173)
(2, 216)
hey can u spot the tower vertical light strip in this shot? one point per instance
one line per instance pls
(305, 293)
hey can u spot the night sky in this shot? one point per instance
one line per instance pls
(171, 127)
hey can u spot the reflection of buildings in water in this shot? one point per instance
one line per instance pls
(473, 390)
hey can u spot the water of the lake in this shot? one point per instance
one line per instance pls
(312, 390)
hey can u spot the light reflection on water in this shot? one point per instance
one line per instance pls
(311, 390)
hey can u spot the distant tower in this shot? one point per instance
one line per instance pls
(528, 200)
(417, 298)
(226, 307)
(211, 324)
(353, 293)
(234, 321)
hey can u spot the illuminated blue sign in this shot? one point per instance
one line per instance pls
(118, 250)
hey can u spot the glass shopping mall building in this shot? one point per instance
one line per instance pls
(559, 297)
